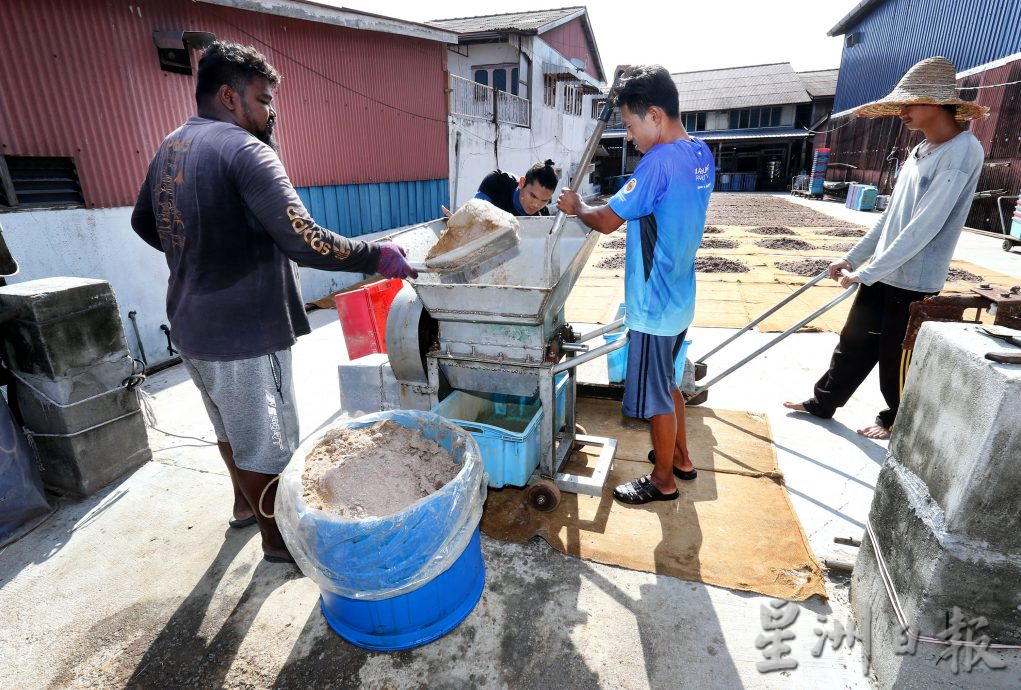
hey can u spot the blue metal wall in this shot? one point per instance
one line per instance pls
(898, 33)
(358, 209)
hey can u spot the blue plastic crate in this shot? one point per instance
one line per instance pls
(506, 427)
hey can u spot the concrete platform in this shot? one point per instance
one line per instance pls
(144, 585)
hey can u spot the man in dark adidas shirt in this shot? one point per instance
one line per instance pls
(218, 203)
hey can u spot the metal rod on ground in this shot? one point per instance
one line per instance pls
(572, 362)
(762, 317)
(832, 303)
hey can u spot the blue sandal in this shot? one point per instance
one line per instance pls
(641, 491)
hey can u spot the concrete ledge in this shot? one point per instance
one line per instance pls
(959, 430)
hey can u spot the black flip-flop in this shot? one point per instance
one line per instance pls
(241, 524)
(640, 491)
(680, 474)
(276, 559)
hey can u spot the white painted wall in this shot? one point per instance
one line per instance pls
(478, 147)
(99, 243)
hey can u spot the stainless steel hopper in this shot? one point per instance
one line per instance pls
(500, 328)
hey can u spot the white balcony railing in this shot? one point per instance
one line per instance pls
(471, 99)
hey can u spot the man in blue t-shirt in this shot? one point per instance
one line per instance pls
(665, 204)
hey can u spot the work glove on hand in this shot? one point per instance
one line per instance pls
(392, 263)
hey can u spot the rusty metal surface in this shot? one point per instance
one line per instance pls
(866, 143)
(82, 79)
(1005, 308)
(948, 309)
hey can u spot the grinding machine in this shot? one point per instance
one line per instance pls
(499, 327)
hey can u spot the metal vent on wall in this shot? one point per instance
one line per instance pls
(36, 181)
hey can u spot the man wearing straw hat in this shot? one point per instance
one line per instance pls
(908, 251)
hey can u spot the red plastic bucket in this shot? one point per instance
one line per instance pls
(363, 315)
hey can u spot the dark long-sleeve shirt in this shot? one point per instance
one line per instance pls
(218, 203)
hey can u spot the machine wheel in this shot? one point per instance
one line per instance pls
(543, 496)
(1007, 245)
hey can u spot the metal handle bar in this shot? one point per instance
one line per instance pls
(836, 300)
(612, 326)
(572, 362)
(761, 318)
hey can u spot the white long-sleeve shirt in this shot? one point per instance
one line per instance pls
(911, 244)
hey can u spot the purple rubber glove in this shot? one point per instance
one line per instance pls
(392, 263)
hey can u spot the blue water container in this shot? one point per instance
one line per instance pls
(616, 361)
(412, 619)
(400, 580)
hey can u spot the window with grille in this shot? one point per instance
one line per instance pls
(549, 90)
(500, 77)
(38, 182)
(694, 122)
(750, 118)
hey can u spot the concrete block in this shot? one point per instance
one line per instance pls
(367, 384)
(931, 576)
(84, 463)
(67, 325)
(945, 514)
(959, 430)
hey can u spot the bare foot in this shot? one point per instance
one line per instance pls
(875, 431)
(796, 406)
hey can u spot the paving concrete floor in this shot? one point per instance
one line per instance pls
(143, 585)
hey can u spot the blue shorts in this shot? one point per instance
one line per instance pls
(649, 382)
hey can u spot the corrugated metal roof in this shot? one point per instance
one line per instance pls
(856, 13)
(355, 107)
(740, 87)
(820, 83)
(306, 10)
(529, 22)
(760, 133)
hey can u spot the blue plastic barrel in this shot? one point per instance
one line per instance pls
(396, 581)
(413, 619)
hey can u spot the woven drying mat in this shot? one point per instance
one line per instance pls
(733, 526)
(732, 300)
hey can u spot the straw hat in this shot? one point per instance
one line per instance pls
(930, 82)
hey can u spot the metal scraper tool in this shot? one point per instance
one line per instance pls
(471, 253)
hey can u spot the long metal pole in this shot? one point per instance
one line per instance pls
(612, 326)
(762, 317)
(586, 158)
(836, 300)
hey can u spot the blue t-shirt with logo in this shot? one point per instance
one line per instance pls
(665, 205)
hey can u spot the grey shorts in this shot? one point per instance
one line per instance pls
(251, 405)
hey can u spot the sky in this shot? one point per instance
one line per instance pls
(691, 36)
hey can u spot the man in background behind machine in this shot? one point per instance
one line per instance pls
(218, 203)
(665, 205)
(909, 248)
(519, 196)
